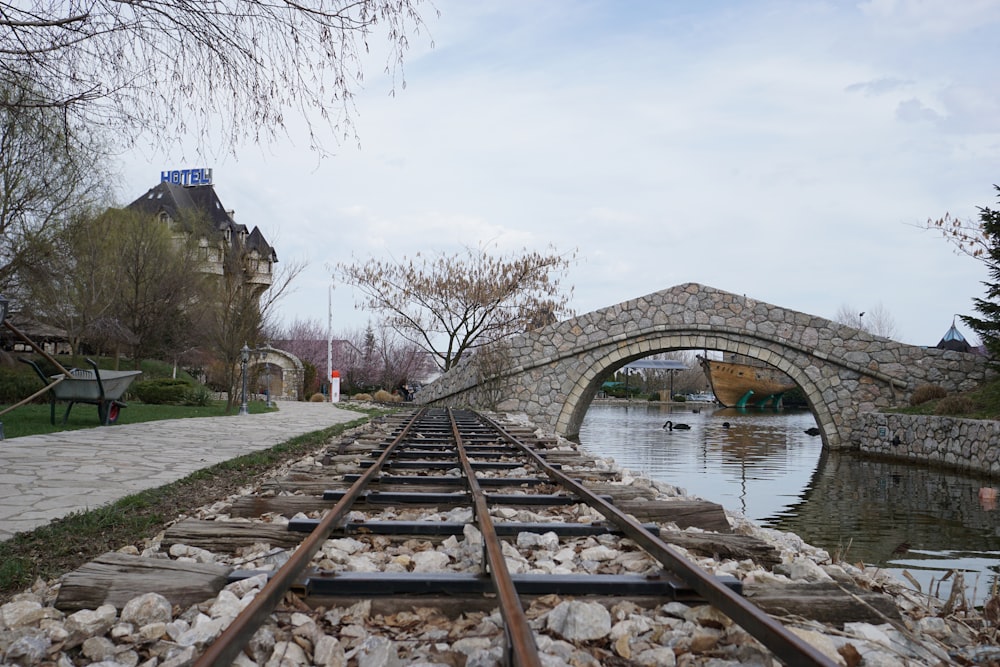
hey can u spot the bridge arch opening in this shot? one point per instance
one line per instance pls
(590, 380)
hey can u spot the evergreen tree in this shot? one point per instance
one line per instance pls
(987, 325)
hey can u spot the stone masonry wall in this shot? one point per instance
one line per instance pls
(552, 374)
(964, 444)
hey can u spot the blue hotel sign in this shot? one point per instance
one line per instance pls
(187, 176)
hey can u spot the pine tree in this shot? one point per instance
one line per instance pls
(987, 326)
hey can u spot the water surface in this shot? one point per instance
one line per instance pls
(901, 517)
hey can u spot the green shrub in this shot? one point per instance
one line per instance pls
(954, 406)
(199, 395)
(151, 368)
(927, 392)
(17, 385)
(163, 391)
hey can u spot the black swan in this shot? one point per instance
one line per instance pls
(812, 430)
(672, 426)
(725, 424)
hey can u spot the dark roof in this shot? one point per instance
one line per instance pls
(111, 329)
(953, 340)
(257, 242)
(176, 200)
(35, 329)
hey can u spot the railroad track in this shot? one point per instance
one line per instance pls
(502, 489)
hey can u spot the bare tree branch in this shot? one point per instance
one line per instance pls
(877, 321)
(451, 305)
(221, 70)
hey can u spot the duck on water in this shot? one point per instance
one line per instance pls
(670, 426)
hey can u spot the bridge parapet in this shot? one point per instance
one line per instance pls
(553, 374)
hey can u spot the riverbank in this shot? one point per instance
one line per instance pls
(925, 631)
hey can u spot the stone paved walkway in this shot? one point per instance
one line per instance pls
(44, 477)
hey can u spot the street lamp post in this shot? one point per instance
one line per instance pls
(244, 358)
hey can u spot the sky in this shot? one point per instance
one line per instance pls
(791, 151)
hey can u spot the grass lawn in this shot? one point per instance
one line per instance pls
(33, 419)
(18, 380)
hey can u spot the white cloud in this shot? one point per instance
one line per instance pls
(782, 150)
(879, 86)
(919, 18)
(914, 111)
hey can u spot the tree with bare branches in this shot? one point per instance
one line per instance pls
(155, 279)
(116, 271)
(969, 237)
(68, 283)
(877, 321)
(47, 179)
(236, 308)
(225, 71)
(980, 239)
(305, 338)
(451, 305)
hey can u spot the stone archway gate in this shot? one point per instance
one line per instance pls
(287, 374)
(553, 374)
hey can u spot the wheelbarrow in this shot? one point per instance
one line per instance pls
(97, 387)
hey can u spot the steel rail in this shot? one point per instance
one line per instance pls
(520, 638)
(786, 645)
(227, 646)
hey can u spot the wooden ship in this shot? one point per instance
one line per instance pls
(740, 385)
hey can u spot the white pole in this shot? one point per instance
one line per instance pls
(329, 342)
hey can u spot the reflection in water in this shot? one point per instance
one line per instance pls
(884, 514)
(908, 517)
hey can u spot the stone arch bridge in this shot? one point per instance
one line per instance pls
(552, 374)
